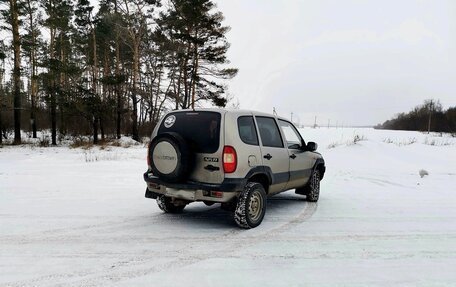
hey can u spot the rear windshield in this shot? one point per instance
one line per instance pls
(201, 130)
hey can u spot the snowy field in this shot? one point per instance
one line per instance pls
(75, 217)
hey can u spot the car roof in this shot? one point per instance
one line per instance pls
(235, 111)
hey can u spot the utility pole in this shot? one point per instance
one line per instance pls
(315, 122)
(291, 119)
(328, 122)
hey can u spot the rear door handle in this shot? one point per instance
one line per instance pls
(268, 156)
(211, 168)
(293, 156)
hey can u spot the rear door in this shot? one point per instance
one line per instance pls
(274, 153)
(301, 161)
(201, 132)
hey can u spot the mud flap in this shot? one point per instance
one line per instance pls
(151, 194)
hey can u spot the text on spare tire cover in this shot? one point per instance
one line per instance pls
(169, 121)
(165, 158)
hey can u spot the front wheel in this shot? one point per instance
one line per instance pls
(165, 204)
(313, 192)
(251, 206)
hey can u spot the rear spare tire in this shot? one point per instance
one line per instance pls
(170, 157)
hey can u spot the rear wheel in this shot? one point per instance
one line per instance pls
(165, 203)
(251, 206)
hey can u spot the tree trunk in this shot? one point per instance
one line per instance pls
(52, 84)
(53, 118)
(33, 82)
(155, 111)
(33, 109)
(186, 84)
(105, 91)
(61, 99)
(102, 129)
(95, 130)
(94, 86)
(16, 71)
(118, 94)
(95, 62)
(178, 87)
(118, 111)
(185, 101)
(134, 97)
(195, 73)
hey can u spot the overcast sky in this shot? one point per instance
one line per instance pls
(353, 62)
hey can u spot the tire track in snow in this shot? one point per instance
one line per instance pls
(133, 265)
(67, 233)
(236, 245)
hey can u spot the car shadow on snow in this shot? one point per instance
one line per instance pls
(280, 208)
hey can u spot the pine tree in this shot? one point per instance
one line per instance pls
(200, 31)
(120, 78)
(85, 24)
(11, 14)
(59, 14)
(112, 16)
(111, 73)
(31, 43)
(135, 14)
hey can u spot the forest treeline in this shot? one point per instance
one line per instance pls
(72, 71)
(430, 116)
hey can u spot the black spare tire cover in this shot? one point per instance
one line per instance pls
(170, 157)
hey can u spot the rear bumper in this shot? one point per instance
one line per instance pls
(194, 191)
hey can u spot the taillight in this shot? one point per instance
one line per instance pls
(229, 159)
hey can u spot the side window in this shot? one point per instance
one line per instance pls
(292, 136)
(269, 132)
(247, 130)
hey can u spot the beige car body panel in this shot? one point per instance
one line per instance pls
(248, 157)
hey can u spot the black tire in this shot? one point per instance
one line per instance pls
(183, 161)
(313, 192)
(165, 204)
(251, 206)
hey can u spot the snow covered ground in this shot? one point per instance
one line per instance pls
(74, 217)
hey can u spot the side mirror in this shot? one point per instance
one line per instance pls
(312, 146)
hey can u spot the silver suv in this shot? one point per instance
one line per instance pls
(233, 157)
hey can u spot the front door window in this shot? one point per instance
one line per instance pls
(291, 135)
